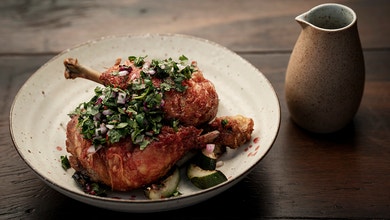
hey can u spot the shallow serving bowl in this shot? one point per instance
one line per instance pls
(39, 113)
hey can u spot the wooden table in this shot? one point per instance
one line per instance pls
(342, 175)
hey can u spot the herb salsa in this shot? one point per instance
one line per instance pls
(135, 111)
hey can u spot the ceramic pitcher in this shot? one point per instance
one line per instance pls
(325, 75)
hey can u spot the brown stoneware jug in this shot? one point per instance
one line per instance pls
(326, 73)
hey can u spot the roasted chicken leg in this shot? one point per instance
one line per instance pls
(123, 165)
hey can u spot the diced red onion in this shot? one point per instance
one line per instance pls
(110, 126)
(146, 66)
(93, 149)
(180, 66)
(121, 99)
(124, 67)
(210, 148)
(97, 116)
(99, 100)
(101, 130)
(107, 112)
(123, 73)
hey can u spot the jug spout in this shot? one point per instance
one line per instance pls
(302, 19)
(328, 17)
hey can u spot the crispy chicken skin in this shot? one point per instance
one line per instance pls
(123, 166)
(196, 106)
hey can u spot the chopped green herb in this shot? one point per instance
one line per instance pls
(65, 162)
(224, 122)
(138, 61)
(183, 58)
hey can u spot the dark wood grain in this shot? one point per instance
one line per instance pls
(250, 25)
(305, 175)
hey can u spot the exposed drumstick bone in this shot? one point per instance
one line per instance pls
(74, 70)
(208, 137)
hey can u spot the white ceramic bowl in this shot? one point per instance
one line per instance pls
(38, 115)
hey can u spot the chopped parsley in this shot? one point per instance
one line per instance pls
(136, 112)
(65, 162)
(224, 122)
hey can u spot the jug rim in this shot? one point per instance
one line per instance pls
(350, 16)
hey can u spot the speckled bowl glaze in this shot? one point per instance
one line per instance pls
(39, 113)
(325, 74)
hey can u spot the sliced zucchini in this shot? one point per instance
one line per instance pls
(204, 179)
(206, 160)
(166, 188)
